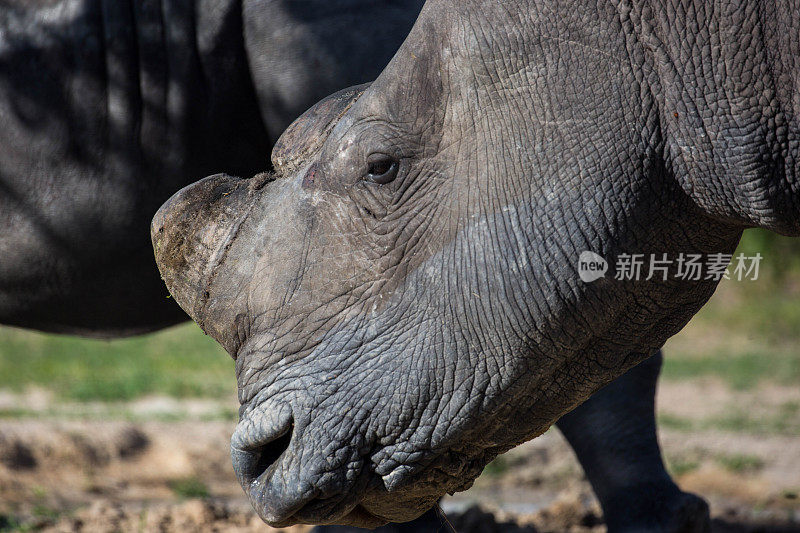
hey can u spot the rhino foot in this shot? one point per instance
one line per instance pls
(690, 514)
(685, 513)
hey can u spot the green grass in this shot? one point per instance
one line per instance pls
(679, 467)
(115, 411)
(741, 422)
(759, 310)
(190, 487)
(497, 467)
(749, 332)
(678, 423)
(41, 515)
(782, 421)
(180, 362)
(9, 523)
(781, 255)
(743, 370)
(739, 463)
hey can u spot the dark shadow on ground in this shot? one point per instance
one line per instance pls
(476, 520)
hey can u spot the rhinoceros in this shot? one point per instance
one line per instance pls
(108, 107)
(402, 296)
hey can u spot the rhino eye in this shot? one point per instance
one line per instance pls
(381, 168)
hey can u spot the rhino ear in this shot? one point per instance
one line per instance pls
(306, 134)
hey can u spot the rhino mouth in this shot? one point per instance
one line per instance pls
(300, 462)
(295, 471)
(301, 502)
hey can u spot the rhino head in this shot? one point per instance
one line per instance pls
(401, 295)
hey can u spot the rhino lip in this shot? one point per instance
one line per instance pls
(309, 507)
(357, 515)
(360, 515)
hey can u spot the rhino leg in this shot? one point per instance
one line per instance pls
(614, 436)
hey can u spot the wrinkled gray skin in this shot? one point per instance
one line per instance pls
(614, 436)
(391, 339)
(109, 106)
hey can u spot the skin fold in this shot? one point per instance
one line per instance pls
(402, 296)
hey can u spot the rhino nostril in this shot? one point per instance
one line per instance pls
(268, 454)
(260, 438)
(256, 447)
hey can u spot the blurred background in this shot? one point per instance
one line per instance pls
(132, 435)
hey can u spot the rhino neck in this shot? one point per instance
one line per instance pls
(301, 52)
(726, 78)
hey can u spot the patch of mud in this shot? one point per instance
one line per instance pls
(193, 515)
(63, 465)
(565, 516)
(118, 475)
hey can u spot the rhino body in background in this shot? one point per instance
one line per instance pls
(107, 107)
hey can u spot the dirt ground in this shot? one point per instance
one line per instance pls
(173, 474)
